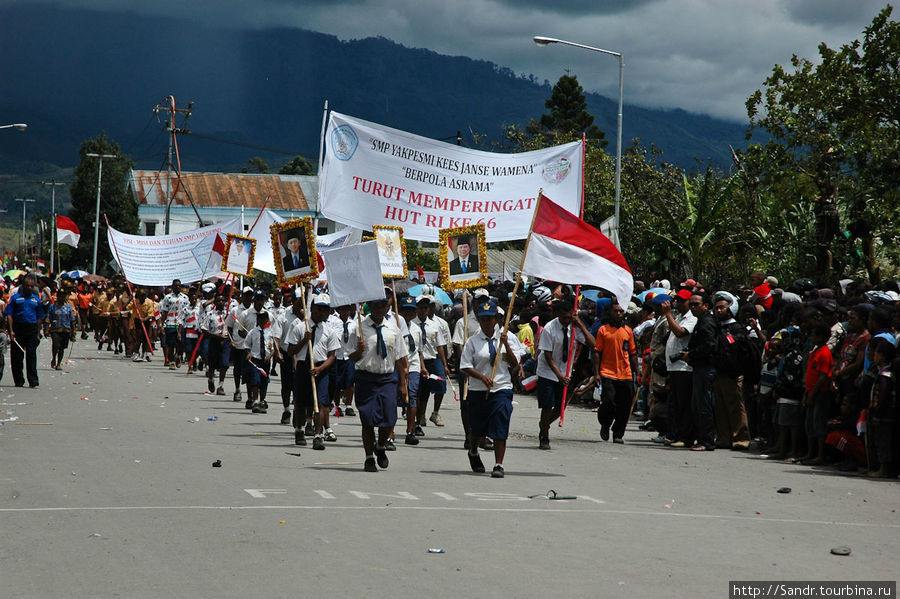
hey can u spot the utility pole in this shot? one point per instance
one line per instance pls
(97, 215)
(24, 203)
(168, 106)
(53, 185)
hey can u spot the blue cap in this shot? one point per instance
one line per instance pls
(259, 293)
(661, 298)
(486, 309)
(408, 302)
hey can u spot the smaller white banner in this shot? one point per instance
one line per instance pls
(354, 274)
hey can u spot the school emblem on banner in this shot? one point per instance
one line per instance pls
(556, 171)
(344, 142)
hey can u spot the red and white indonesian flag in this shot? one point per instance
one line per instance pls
(566, 249)
(67, 231)
(216, 256)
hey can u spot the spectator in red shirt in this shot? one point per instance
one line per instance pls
(818, 398)
(761, 289)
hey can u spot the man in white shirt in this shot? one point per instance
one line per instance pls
(554, 346)
(325, 343)
(681, 326)
(219, 349)
(489, 399)
(172, 310)
(381, 367)
(260, 349)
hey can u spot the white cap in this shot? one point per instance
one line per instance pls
(322, 299)
(247, 289)
(480, 292)
(207, 287)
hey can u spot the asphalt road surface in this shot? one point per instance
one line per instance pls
(107, 490)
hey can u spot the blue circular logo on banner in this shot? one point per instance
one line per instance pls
(344, 142)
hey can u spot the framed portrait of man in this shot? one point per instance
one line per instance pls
(294, 250)
(238, 256)
(463, 257)
(391, 251)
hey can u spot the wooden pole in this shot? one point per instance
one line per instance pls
(570, 359)
(512, 297)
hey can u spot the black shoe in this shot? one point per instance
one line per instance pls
(248, 404)
(100, 346)
(382, 459)
(604, 432)
(544, 443)
(318, 443)
(418, 431)
(487, 444)
(476, 463)
(210, 385)
(349, 411)
(411, 439)
(259, 407)
(497, 472)
(389, 445)
(286, 417)
(33, 385)
(310, 428)
(299, 438)
(370, 465)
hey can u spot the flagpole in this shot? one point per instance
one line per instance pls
(570, 354)
(512, 297)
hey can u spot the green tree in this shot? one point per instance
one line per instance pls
(568, 114)
(836, 125)
(115, 201)
(297, 166)
(257, 163)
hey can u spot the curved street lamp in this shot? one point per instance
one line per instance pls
(19, 126)
(544, 41)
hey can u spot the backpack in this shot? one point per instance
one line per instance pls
(733, 351)
(789, 379)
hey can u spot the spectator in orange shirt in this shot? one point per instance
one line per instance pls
(615, 363)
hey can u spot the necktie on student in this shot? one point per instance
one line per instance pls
(424, 334)
(379, 341)
(346, 331)
(411, 342)
(492, 349)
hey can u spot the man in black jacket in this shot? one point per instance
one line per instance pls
(700, 355)
(733, 354)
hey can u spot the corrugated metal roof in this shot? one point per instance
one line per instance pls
(286, 192)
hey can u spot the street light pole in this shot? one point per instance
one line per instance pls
(19, 126)
(53, 185)
(543, 41)
(24, 203)
(97, 215)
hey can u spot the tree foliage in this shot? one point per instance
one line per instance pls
(568, 114)
(835, 127)
(297, 166)
(115, 201)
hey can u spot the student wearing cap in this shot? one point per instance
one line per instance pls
(260, 349)
(554, 345)
(235, 323)
(489, 400)
(241, 335)
(325, 343)
(414, 361)
(381, 364)
(219, 350)
(343, 365)
(280, 329)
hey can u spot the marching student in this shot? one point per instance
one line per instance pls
(260, 350)
(62, 327)
(414, 359)
(489, 400)
(172, 310)
(325, 343)
(281, 327)
(381, 364)
(218, 354)
(239, 329)
(343, 365)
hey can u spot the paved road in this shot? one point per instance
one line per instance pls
(107, 489)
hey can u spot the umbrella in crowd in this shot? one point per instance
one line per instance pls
(437, 292)
(14, 273)
(78, 274)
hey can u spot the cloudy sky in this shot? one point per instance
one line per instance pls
(703, 56)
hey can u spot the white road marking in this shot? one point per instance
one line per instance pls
(544, 510)
(399, 495)
(446, 496)
(263, 493)
(324, 494)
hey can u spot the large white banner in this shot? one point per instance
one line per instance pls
(375, 175)
(354, 274)
(157, 260)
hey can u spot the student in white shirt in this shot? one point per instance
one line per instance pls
(414, 359)
(381, 364)
(256, 367)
